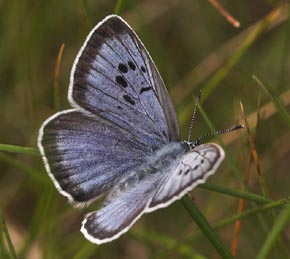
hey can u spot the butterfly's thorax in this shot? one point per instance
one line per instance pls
(166, 156)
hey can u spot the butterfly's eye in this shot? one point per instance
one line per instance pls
(131, 65)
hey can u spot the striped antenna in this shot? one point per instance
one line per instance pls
(193, 115)
(210, 134)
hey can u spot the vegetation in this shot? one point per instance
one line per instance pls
(243, 211)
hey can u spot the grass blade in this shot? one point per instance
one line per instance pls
(7, 236)
(277, 102)
(118, 7)
(281, 223)
(18, 149)
(236, 193)
(87, 14)
(205, 227)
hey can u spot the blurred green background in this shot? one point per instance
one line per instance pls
(194, 48)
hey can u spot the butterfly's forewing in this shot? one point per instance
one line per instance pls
(114, 77)
(194, 168)
(86, 155)
(168, 109)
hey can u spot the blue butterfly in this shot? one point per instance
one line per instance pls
(122, 136)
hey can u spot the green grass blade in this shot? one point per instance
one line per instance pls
(118, 7)
(247, 213)
(277, 102)
(19, 150)
(86, 250)
(205, 227)
(281, 223)
(87, 14)
(235, 193)
(246, 44)
(7, 236)
(21, 166)
(228, 156)
(42, 210)
(255, 211)
(3, 252)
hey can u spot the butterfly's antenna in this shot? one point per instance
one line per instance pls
(193, 115)
(218, 132)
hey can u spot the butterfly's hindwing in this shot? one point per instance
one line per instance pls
(194, 168)
(124, 205)
(131, 196)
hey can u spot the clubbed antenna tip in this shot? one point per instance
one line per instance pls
(238, 127)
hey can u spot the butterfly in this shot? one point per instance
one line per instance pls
(122, 136)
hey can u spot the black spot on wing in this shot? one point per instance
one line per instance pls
(121, 81)
(143, 69)
(128, 99)
(131, 65)
(123, 68)
(164, 133)
(145, 89)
